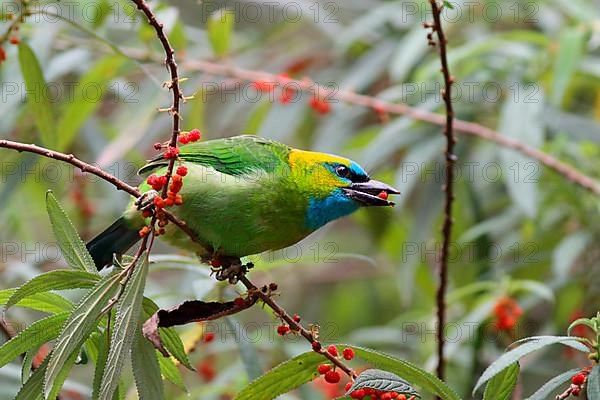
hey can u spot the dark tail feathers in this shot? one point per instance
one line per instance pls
(117, 238)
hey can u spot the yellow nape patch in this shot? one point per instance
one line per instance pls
(298, 157)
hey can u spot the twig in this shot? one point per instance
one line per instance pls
(6, 329)
(295, 326)
(449, 180)
(469, 128)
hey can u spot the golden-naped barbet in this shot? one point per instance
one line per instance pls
(244, 195)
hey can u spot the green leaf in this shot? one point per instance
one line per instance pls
(501, 386)
(146, 369)
(534, 287)
(38, 102)
(570, 52)
(406, 370)
(220, 26)
(86, 99)
(549, 387)
(581, 321)
(129, 308)
(45, 302)
(593, 384)
(32, 389)
(71, 245)
(169, 336)
(169, 371)
(527, 346)
(283, 378)
(53, 280)
(78, 327)
(34, 335)
(384, 381)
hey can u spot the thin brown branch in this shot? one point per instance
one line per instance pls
(266, 298)
(468, 128)
(437, 27)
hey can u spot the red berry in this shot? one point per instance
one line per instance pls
(316, 346)
(282, 329)
(209, 337)
(172, 152)
(320, 105)
(575, 392)
(383, 195)
(157, 146)
(178, 200)
(348, 353)
(159, 202)
(332, 350)
(2, 54)
(296, 318)
(14, 40)
(401, 397)
(194, 135)
(332, 377)
(146, 213)
(358, 394)
(181, 171)
(386, 396)
(144, 231)
(215, 262)
(348, 386)
(169, 202)
(323, 369)
(578, 379)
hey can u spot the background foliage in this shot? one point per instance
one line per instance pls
(531, 72)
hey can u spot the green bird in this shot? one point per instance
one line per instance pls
(244, 195)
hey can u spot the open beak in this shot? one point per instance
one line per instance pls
(371, 193)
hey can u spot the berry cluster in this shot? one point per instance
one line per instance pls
(284, 328)
(327, 370)
(375, 394)
(189, 137)
(507, 312)
(577, 382)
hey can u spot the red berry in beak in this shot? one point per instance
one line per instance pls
(383, 195)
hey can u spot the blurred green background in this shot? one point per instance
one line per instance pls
(530, 69)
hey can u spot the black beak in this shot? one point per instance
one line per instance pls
(371, 193)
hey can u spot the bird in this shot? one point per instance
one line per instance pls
(244, 195)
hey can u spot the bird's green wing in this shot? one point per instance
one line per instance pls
(236, 155)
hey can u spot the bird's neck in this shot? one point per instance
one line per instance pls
(323, 210)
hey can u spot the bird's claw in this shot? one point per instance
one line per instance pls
(232, 272)
(146, 200)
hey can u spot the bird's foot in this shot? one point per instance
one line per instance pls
(146, 200)
(231, 271)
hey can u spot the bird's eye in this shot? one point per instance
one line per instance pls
(342, 171)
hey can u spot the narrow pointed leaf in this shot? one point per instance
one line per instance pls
(71, 245)
(170, 372)
(283, 378)
(146, 369)
(45, 302)
(38, 102)
(593, 384)
(129, 308)
(59, 279)
(33, 336)
(220, 27)
(33, 387)
(78, 327)
(527, 347)
(501, 386)
(549, 387)
(411, 373)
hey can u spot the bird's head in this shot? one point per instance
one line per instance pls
(334, 186)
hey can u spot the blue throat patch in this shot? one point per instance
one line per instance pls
(334, 206)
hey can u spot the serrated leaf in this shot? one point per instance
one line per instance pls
(170, 372)
(169, 336)
(40, 107)
(32, 389)
(45, 302)
(283, 378)
(549, 387)
(101, 347)
(129, 308)
(59, 279)
(593, 384)
(78, 327)
(528, 346)
(384, 381)
(86, 99)
(501, 386)
(36, 334)
(406, 370)
(219, 27)
(146, 369)
(71, 245)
